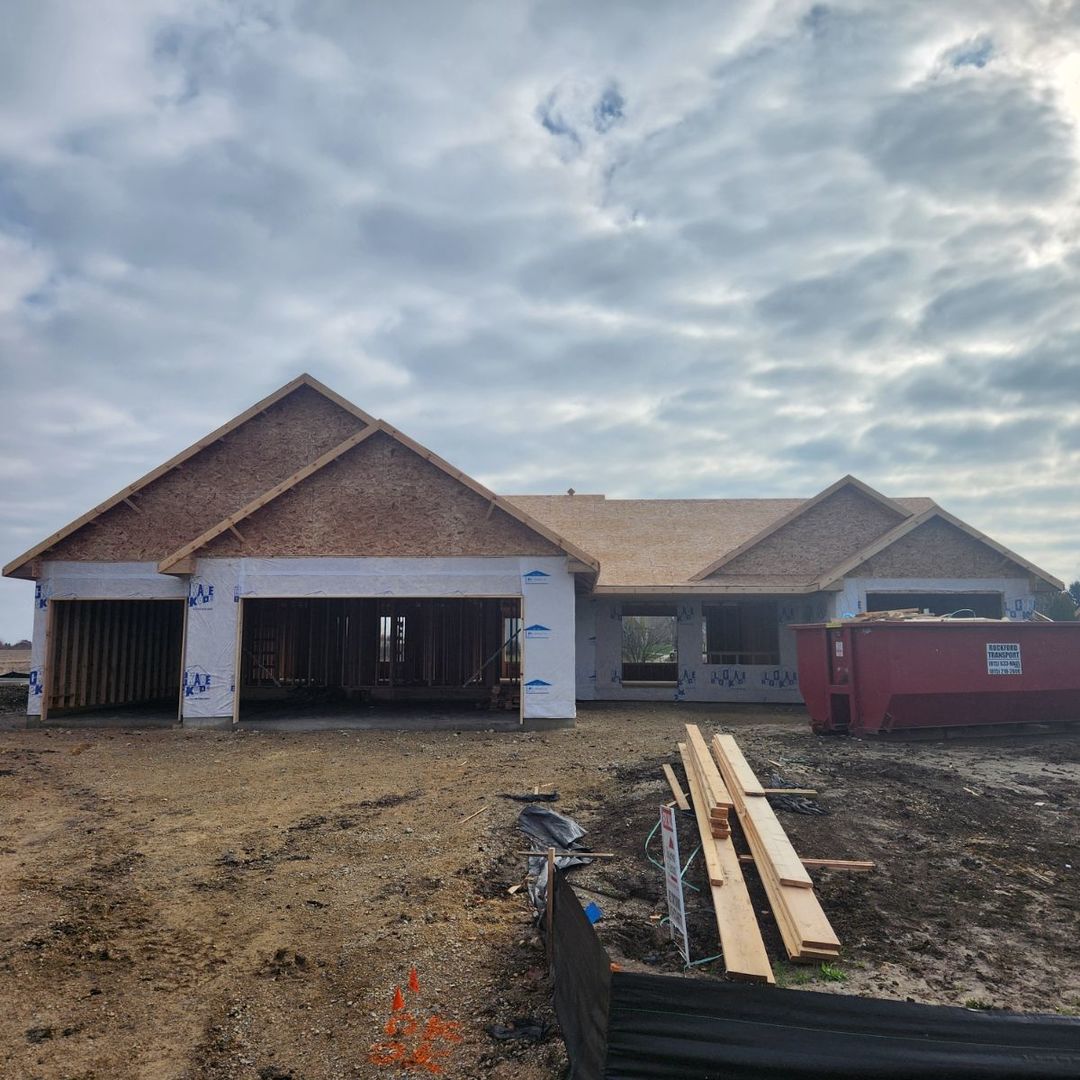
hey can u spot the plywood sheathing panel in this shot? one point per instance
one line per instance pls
(379, 499)
(665, 542)
(936, 549)
(215, 482)
(826, 534)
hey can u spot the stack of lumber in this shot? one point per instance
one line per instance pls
(740, 937)
(803, 925)
(713, 790)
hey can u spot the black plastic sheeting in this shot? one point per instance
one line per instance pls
(582, 985)
(548, 828)
(629, 1026)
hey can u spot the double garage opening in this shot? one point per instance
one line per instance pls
(340, 656)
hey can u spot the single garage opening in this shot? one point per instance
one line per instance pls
(980, 605)
(304, 657)
(115, 655)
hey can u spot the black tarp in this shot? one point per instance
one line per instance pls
(582, 985)
(631, 1026)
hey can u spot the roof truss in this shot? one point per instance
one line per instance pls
(820, 497)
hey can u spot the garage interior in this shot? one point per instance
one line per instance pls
(346, 654)
(978, 605)
(123, 655)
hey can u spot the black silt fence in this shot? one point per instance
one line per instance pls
(630, 1026)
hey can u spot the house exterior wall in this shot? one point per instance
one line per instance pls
(219, 586)
(599, 618)
(1017, 593)
(599, 639)
(215, 593)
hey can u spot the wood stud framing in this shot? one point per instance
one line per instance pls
(105, 653)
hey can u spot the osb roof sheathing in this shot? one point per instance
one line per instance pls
(661, 542)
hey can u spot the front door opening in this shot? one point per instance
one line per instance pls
(649, 645)
(331, 652)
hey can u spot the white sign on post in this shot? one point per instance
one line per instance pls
(673, 880)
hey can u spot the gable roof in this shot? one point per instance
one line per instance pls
(178, 557)
(910, 525)
(125, 494)
(659, 544)
(848, 481)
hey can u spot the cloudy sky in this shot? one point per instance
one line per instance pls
(673, 250)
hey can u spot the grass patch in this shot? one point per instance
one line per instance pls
(832, 973)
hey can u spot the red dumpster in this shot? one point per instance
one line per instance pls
(871, 677)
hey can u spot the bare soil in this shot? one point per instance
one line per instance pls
(184, 905)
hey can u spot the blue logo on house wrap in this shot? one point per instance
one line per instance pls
(537, 631)
(196, 681)
(41, 597)
(536, 577)
(730, 677)
(36, 685)
(537, 686)
(200, 595)
(779, 678)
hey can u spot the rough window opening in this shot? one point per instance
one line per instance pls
(985, 605)
(741, 632)
(649, 645)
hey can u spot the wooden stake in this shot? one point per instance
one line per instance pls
(486, 806)
(550, 906)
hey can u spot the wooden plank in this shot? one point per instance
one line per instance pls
(759, 814)
(715, 785)
(713, 866)
(747, 781)
(803, 925)
(740, 936)
(676, 790)
(856, 866)
(804, 791)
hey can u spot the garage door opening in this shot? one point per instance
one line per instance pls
(343, 657)
(121, 656)
(984, 605)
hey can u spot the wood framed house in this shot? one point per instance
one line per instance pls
(307, 552)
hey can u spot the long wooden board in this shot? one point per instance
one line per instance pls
(803, 925)
(757, 815)
(740, 936)
(676, 790)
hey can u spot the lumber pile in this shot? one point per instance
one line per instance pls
(721, 782)
(803, 925)
(740, 937)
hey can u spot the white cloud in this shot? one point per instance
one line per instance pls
(722, 249)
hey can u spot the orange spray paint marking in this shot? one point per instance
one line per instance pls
(410, 1046)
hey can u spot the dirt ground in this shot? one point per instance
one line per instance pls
(182, 905)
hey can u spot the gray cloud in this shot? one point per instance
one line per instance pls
(685, 251)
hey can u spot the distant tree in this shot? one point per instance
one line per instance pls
(1074, 592)
(1057, 606)
(647, 638)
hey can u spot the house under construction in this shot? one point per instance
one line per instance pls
(307, 552)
